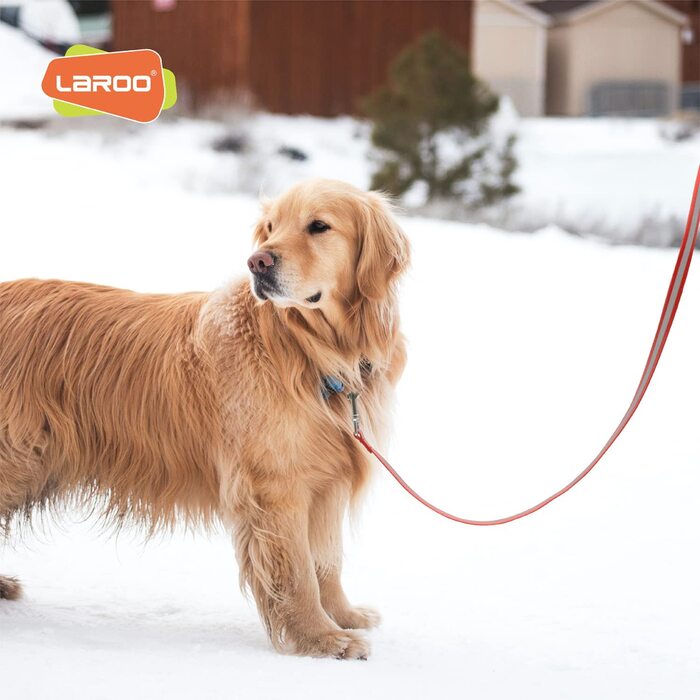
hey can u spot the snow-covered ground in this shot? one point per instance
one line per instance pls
(615, 179)
(520, 366)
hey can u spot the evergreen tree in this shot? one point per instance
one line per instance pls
(431, 126)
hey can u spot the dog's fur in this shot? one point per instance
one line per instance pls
(203, 407)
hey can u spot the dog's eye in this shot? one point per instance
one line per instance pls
(317, 226)
(269, 227)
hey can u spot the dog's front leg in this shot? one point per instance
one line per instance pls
(325, 536)
(272, 547)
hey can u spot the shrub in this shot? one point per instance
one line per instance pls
(430, 124)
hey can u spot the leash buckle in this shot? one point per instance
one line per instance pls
(352, 396)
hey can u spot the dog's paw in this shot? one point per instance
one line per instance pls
(339, 644)
(10, 588)
(357, 618)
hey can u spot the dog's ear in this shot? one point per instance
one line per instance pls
(384, 249)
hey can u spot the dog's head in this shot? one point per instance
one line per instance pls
(324, 243)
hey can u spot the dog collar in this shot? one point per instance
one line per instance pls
(332, 385)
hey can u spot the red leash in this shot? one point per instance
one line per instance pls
(673, 297)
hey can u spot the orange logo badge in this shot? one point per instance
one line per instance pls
(128, 84)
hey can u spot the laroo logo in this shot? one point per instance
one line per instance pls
(128, 84)
(118, 83)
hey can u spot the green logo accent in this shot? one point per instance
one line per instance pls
(68, 110)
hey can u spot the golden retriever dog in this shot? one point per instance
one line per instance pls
(227, 406)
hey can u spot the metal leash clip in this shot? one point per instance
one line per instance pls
(352, 396)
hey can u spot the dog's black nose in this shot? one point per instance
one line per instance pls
(259, 263)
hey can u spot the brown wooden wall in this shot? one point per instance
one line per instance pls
(204, 42)
(691, 52)
(295, 56)
(323, 57)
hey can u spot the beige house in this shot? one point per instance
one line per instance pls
(509, 53)
(613, 57)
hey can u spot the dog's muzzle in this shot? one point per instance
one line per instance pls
(262, 265)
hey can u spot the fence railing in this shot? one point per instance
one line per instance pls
(631, 99)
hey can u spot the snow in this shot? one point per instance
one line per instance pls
(525, 350)
(607, 178)
(53, 21)
(604, 174)
(23, 63)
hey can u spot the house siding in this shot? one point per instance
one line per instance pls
(625, 44)
(205, 43)
(509, 54)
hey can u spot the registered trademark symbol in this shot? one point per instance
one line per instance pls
(154, 72)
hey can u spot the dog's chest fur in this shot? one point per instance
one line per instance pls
(275, 419)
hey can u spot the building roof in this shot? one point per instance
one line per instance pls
(559, 7)
(528, 11)
(566, 11)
